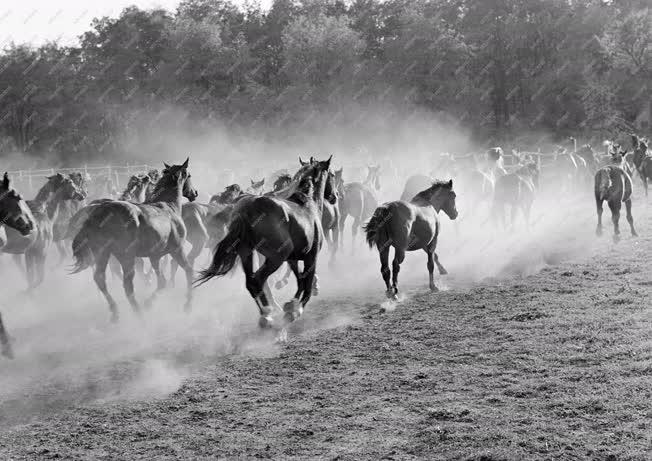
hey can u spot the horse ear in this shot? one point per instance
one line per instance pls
(262, 182)
(5, 181)
(328, 162)
(302, 162)
(184, 165)
(253, 183)
(166, 165)
(312, 160)
(450, 184)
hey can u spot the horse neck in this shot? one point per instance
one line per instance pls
(54, 205)
(423, 199)
(318, 191)
(44, 195)
(170, 194)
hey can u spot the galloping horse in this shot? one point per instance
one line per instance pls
(280, 229)
(642, 161)
(516, 190)
(67, 209)
(130, 230)
(14, 213)
(410, 226)
(359, 201)
(613, 184)
(45, 208)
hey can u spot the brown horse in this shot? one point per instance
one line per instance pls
(130, 230)
(280, 229)
(256, 187)
(642, 161)
(14, 213)
(516, 191)
(44, 207)
(410, 226)
(613, 184)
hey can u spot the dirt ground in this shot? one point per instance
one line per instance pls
(546, 356)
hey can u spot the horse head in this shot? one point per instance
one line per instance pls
(66, 189)
(442, 197)
(179, 176)
(314, 175)
(282, 182)
(14, 212)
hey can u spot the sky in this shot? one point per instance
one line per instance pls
(39, 21)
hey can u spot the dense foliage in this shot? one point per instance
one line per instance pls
(501, 68)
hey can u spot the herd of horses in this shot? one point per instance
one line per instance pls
(157, 216)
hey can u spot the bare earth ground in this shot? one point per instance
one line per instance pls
(556, 364)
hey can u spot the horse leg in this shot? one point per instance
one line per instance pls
(357, 220)
(29, 269)
(383, 252)
(399, 256)
(5, 343)
(140, 268)
(615, 217)
(173, 272)
(160, 280)
(336, 241)
(284, 281)
(247, 261)
(306, 284)
(630, 218)
(431, 269)
(128, 264)
(182, 260)
(440, 268)
(39, 260)
(598, 206)
(114, 265)
(61, 248)
(99, 276)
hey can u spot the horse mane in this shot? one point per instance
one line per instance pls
(425, 195)
(164, 184)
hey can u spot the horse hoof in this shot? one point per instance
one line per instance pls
(115, 318)
(634, 234)
(282, 336)
(389, 294)
(434, 289)
(265, 322)
(616, 238)
(187, 308)
(443, 271)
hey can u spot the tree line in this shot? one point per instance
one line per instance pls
(502, 68)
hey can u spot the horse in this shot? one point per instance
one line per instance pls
(359, 201)
(282, 229)
(590, 158)
(517, 191)
(613, 184)
(45, 208)
(228, 196)
(14, 213)
(642, 162)
(67, 209)
(256, 187)
(130, 230)
(410, 226)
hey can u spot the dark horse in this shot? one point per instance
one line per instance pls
(642, 160)
(130, 230)
(45, 208)
(280, 229)
(613, 184)
(410, 226)
(14, 213)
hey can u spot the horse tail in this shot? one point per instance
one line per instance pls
(376, 228)
(226, 252)
(81, 249)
